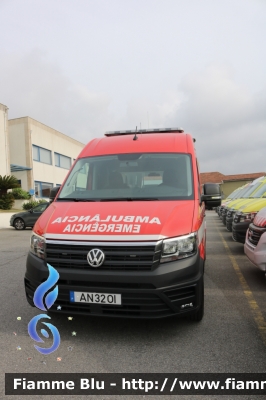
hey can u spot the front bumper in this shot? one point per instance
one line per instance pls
(172, 288)
(256, 254)
(239, 230)
(223, 218)
(228, 223)
(214, 203)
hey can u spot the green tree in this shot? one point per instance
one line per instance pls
(7, 199)
(7, 182)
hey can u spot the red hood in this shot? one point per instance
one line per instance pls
(139, 220)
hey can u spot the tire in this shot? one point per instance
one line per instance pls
(19, 224)
(198, 315)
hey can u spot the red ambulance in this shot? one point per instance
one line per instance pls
(126, 231)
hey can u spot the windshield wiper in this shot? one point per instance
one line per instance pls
(131, 199)
(145, 199)
(109, 199)
(74, 199)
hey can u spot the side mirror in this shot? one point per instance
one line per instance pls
(204, 198)
(211, 195)
(53, 193)
(31, 210)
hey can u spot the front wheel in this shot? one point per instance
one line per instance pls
(19, 224)
(198, 315)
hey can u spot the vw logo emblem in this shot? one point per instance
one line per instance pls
(95, 258)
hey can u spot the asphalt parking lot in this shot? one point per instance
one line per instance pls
(230, 338)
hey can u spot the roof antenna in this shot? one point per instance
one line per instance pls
(135, 137)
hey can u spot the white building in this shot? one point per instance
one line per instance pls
(40, 157)
(4, 142)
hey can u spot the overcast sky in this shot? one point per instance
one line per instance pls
(87, 66)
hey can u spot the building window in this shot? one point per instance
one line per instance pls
(62, 161)
(42, 155)
(43, 189)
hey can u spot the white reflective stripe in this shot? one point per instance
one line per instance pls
(103, 237)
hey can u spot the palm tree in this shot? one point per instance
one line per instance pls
(7, 182)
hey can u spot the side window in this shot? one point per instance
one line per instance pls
(40, 208)
(82, 177)
(62, 161)
(81, 181)
(42, 155)
(42, 189)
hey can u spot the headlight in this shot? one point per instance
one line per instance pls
(179, 247)
(245, 217)
(37, 245)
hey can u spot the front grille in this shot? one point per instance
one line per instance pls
(113, 285)
(254, 237)
(254, 234)
(181, 294)
(124, 258)
(134, 304)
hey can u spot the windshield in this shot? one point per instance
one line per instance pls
(118, 177)
(260, 192)
(241, 192)
(244, 192)
(250, 189)
(234, 194)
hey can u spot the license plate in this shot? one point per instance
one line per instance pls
(96, 298)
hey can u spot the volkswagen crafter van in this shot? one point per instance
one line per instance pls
(126, 230)
(248, 197)
(231, 197)
(246, 214)
(255, 244)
